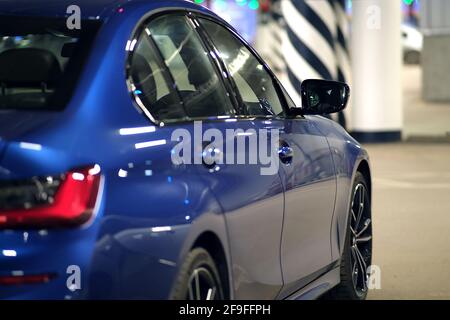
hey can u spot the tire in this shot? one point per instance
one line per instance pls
(198, 278)
(354, 286)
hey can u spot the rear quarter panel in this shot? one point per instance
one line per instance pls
(120, 254)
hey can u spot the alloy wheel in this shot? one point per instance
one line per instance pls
(203, 285)
(360, 239)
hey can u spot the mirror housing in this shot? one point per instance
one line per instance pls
(323, 97)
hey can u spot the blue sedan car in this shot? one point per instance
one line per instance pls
(147, 152)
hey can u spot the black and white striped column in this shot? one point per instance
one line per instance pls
(269, 40)
(342, 53)
(341, 45)
(315, 42)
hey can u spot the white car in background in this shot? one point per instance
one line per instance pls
(412, 41)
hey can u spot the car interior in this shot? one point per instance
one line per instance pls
(28, 77)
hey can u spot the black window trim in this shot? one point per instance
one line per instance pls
(214, 60)
(221, 65)
(276, 83)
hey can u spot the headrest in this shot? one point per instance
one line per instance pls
(142, 75)
(197, 63)
(140, 69)
(28, 67)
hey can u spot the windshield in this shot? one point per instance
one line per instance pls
(40, 61)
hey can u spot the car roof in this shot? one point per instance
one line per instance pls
(90, 9)
(53, 8)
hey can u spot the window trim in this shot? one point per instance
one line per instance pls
(218, 64)
(275, 81)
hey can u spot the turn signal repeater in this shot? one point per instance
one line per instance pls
(66, 200)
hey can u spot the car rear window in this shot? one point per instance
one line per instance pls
(41, 60)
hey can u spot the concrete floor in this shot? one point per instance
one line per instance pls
(411, 201)
(411, 220)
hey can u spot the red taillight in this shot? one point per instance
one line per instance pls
(26, 279)
(72, 204)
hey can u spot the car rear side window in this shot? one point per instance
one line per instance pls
(40, 61)
(150, 82)
(200, 88)
(253, 81)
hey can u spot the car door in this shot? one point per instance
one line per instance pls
(310, 189)
(252, 203)
(305, 166)
(253, 206)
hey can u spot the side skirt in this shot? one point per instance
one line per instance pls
(318, 287)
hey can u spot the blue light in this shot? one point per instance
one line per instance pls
(138, 92)
(186, 202)
(169, 179)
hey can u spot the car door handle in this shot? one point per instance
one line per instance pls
(211, 155)
(286, 153)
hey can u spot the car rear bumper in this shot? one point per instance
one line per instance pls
(126, 264)
(39, 253)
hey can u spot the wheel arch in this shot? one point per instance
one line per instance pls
(209, 241)
(364, 169)
(339, 225)
(209, 231)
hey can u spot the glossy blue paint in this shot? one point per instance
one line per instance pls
(275, 229)
(310, 189)
(254, 244)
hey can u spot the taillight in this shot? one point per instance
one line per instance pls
(54, 201)
(26, 279)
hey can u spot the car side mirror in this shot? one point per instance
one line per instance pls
(323, 96)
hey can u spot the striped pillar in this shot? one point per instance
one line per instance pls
(341, 47)
(269, 40)
(276, 30)
(342, 53)
(315, 43)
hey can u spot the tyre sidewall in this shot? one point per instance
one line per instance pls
(195, 259)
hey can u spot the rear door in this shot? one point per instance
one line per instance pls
(252, 203)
